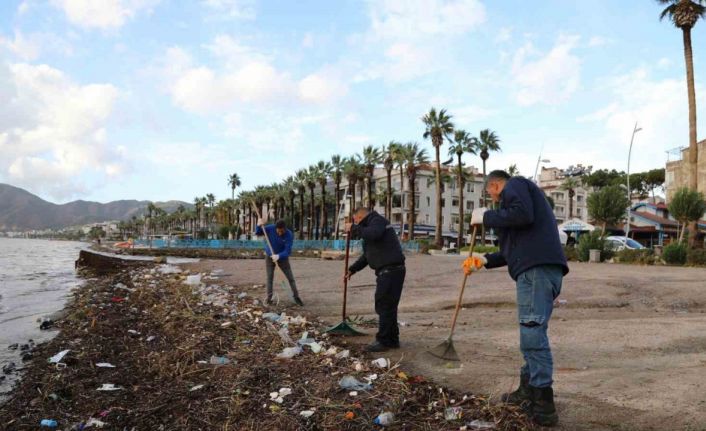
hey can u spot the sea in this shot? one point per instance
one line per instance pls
(36, 277)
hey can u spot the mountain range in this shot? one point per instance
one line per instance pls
(20, 210)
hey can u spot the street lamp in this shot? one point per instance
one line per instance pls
(627, 223)
(539, 159)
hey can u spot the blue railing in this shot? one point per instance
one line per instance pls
(334, 244)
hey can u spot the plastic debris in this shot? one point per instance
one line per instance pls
(48, 423)
(58, 357)
(105, 365)
(353, 393)
(371, 377)
(278, 397)
(331, 351)
(306, 413)
(242, 295)
(150, 338)
(284, 335)
(272, 317)
(193, 280)
(350, 382)
(289, 352)
(169, 269)
(481, 425)
(453, 413)
(95, 422)
(343, 354)
(226, 324)
(219, 360)
(385, 419)
(109, 387)
(402, 376)
(133, 332)
(349, 416)
(381, 362)
(196, 388)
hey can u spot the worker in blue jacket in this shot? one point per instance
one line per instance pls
(281, 240)
(531, 249)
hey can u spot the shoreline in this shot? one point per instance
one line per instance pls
(158, 331)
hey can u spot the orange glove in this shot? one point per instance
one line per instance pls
(474, 263)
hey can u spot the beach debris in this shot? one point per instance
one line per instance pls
(278, 396)
(46, 324)
(48, 423)
(9, 368)
(27, 356)
(331, 351)
(353, 393)
(105, 365)
(343, 354)
(371, 377)
(94, 422)
(402, 376)
(306, 341)
(453, 413)
(219, 360)
(306, 413)
(193, 280)
(350, 382)
(226, 324)
(349, 416)
(272, 317)
(284, 335)
(196, 388)
(107, 387)
(133, 332)
(381, 362)
(117, 299)
(150, 338)
(477, 424)
(289, 352)
(169, 269)
(13, 346)
(58, 357)
(385, 419)
(242, 295)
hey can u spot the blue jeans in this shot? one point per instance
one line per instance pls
(537, 288)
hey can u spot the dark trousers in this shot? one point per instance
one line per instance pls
(387, 298)
(286, 268)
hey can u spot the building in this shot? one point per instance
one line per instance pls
(677, 172)
(551, 180)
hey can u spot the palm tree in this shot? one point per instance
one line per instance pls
(337, 165)
(463, 143)
(353, 172)
(414, 158)
(684, 15)
(233, 182)
(371, 157)
(570, 185)
(323, 172)
(311, 184)
(438, 126)
(301, 189)
(399, 158)
(488, 142)
(389, 163)
(513, 171)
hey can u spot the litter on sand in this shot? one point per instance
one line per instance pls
(350, 382)
(196, 388)
(58, 357)
(381, 362)
(306, 413)
(289, 352)
(94, 422)
(109, 387)
(105, 365)
(480, 425)
(453, 413)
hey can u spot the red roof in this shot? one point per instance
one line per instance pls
(656, 219)
(662, 206)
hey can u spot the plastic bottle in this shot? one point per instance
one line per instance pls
(385, 419)
(49, 423)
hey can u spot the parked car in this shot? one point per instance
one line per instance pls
(617, 243)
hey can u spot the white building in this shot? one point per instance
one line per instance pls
(551, 181)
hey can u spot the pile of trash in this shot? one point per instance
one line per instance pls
(161, 348)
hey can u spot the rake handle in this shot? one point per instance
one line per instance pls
(345, 274)
(463, 284)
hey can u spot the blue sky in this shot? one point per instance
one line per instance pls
(163, 99)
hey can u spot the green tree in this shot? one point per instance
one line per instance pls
(414, 156)
(233, 182)
(371, 157)
(323, 172)
(654, 179)
(487, 141)
(463, 143)
(337, 165)
(388, 161)
(603, 178)
(687, 205)
(96, 232)
(684, 14)
(570, 184)
(438, 127)
(607, 205)
(513, 171)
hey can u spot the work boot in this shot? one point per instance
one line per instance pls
(379, 347)
(542, 409)
(521, 395)
(268, 301)
(298, 301)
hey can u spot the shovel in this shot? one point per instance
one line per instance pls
(446, 350)
(344, 327)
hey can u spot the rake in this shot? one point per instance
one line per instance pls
(345, 327)
(446, 349)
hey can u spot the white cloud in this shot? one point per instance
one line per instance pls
(52, 131)
(664, 63)
(470, 114)
(504, 35)
(550, 79)
(28, 47)
(597, 41)
(104, 14)
(308, 41)
(232, 9)
(321, 87)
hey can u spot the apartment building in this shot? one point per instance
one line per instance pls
(551, 180)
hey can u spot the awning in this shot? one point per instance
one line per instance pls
(576, 225)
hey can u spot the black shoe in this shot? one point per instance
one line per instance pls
(542, 409)
(268, 301)
(379, 347)
(298, 301)
(522, 395)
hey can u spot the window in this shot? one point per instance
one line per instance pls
(396, 201)
(469, 187)
(560, 210)
(428, 201)
(579, 198)
(454, 202)
(454, 220)
(426, 219)
(397, 218)
(469, 205)
(443, 202)
(416, 203)
(578, 212)
(453, 185)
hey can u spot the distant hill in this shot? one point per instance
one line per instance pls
(21, 210)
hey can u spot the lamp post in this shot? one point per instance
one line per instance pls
(539, 159)
(627, 222)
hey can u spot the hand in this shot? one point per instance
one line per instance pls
(274, 257)
(474, 263)
(347, 276)
(347, 227)
(260, 222)
(477, 216)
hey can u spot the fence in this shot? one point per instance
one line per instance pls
(334, 244)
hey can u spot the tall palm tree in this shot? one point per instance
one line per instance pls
(323, 172)
(311, 185)
(399, 158)
(415, 156)
(337, 165)
(388, 160)
(290, 185)
(463, 143)
(233, 182)
(438, 126)
(301, 190)
(684, 15)
(488, 141)
(570, 185)
(371, 157)
(353, 172)
(513, 171)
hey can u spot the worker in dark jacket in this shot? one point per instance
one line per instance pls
(383, 253)
(530, 247)
(281, 240)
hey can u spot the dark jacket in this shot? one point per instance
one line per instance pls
(526, 228)
(381, 247)
(282, 245)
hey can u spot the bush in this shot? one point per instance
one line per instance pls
(592, 241)
(675, 254)
(643, 256)
(572, 255)
(696, 257)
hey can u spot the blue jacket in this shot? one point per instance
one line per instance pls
(526, 228)
(282, 245)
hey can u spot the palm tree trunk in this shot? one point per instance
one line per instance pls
(370, 193)
(460, 204)
(388, 201)
(437, 233)
(571, 206)
(338, 205)
(312, 212)
(301, 215)
(401, 206)
(482, 226)
(693, 148)
(323, 211)
(410, 204)
(352, 208)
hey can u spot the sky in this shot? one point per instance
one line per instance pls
(164, 99)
